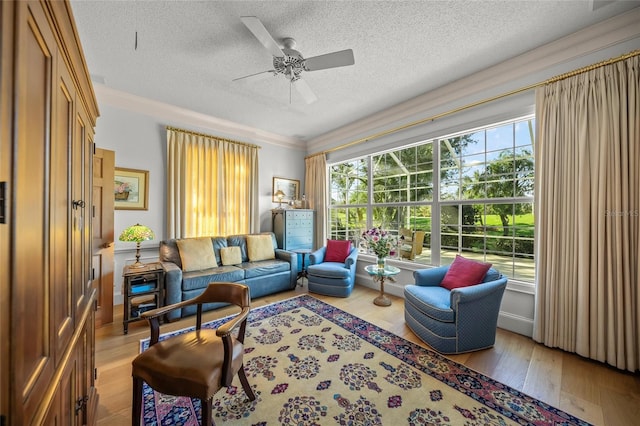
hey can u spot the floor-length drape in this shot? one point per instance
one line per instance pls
(587, 209)
(315, 188)
(212, 186)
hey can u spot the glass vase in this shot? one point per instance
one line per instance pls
(382, 261)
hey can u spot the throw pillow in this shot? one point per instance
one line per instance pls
(337, 250)
(196, 254)
(260, 247)
(230, 255)
(464, 272)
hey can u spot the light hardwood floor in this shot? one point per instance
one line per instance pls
(592, 391)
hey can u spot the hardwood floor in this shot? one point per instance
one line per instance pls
(594, 392)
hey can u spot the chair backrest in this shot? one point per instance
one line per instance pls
(224, 292)
(491, 275)
(412, 244)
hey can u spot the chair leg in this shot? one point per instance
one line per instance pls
(136, 406)
(245, 384)
(207, 407)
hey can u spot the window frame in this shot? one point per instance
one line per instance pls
(436, 203)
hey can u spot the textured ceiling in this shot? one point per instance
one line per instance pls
(189, 51)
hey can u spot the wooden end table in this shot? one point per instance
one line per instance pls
(143, 290)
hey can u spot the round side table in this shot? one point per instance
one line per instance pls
(303, 271)
(380, 275)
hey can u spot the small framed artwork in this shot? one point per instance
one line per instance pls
(290, 187)
(131, 189)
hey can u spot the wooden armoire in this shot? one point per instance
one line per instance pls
(48, 112)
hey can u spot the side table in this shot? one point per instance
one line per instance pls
(303, 271)
(380, 275)
(143, 291)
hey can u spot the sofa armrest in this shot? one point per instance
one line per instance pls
(430, 277)
(317, 256)
(172, 287)
(473, 293)
(292, 258)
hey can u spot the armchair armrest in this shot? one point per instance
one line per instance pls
(472, 293)
(228, 326)
(352, 258)
(317, 256)
(430, 277)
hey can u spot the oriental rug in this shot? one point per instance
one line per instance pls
(311, 363)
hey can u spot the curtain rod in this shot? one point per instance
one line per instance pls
(212, 137)
(481, 102)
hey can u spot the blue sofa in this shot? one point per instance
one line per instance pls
(262, 277)
(331, 278)
(461, 320)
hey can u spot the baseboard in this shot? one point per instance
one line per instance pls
(515, 323)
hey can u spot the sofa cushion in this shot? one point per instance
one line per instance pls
(264, 268)
(329, 270)
(231, 255)
(196, 254)
(337, 250)
(260, 247)
(434, 302)
(200, 279)
(464, 272)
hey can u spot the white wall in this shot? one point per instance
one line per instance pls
(139, 142)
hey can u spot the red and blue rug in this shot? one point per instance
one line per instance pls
(310, 363)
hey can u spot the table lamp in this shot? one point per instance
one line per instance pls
(279, 195)
(137, 234)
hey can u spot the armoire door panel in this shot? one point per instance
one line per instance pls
(80, 205)
(63, 311)
(33, 366)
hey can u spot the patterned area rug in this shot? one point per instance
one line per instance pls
(310, 363)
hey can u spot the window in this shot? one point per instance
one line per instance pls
(469, 193)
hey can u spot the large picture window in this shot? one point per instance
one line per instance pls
(470, 193)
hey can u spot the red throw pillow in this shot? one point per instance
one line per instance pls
(337, 250)
(464, 272)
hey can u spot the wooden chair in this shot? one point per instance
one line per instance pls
(412, 243)
(196, 363)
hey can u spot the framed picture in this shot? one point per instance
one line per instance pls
(290, 187)
(131, 189)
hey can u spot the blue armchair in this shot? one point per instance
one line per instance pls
(331, 278)
(461, 320)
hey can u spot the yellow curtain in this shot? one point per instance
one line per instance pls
(315, 188)
(212, 186)
(587, 202)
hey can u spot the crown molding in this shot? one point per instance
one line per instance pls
(534, 66)
(181, 117)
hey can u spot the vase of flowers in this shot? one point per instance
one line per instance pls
(382, 243)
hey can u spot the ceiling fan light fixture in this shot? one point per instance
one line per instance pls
(290, 63)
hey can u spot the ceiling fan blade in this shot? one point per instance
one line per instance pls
(260, 32)
(329, 60)
(303, 88)
(256, 74)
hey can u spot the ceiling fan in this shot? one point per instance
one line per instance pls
(290, 63)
